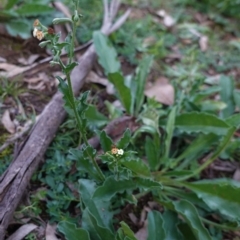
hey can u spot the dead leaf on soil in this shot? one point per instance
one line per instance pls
(50, 232)
(236, 175)
(162, 91)
(7, 122)
(22, 232)
(142, 233)
(28, 61)
(93, 77)
(8, 70)
(203, 43)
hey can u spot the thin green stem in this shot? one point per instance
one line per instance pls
(74, 107)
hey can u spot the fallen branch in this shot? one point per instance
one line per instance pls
(15, 179)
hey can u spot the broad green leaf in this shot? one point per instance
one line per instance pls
(124, 92)
(155, 226)
(96, 232)
(186, 231)
(98, 208)
(10, 4)
(70, 67)
(94, 117)
(105, 141)
(170, 223)
(71, 232)
(33, 9)
(169, 130)
(84, 164)
(226, 94)
(234, 120)
(141, 77)
(125, 139)
(106, 53)
(137, 166)
(201, 122)
(190, 215)
(111, 187)
(19, 27)
(221, 195)
(152, 153)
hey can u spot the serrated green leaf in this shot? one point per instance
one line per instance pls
(106, 53)
(105, 141)
(94, 117)
(155, 226)
(98, 208)
(34, 9)
(222, 195)
(71, 232)
(111, 187)
(201, 122)
(124, 92)
(137, 166)
(125, 139)
(96, 232)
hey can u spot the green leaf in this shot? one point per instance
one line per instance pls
(226, 94)
(105, 141)
(70, 66)
(111, 187)
(141, 77)
(125, 139)
(152, 153)
(94, 117)
(19, 27)
(170, 223)
(201, 122)
(124, 92)
(125, 233)
(137, 166)
(84, 164)
(197, 147)
(96, 232)
(106, 53)
(236, 95)
(190, 215)
(34, 9)
(10, 4)
(71, 232)
(233, 120)
(221, 195)
(169, 130)
(98, 208)
(155, 226)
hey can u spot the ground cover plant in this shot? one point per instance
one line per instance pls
(173, 170)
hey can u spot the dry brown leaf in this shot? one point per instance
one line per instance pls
(28, 61)
(162, 91)
(149, 41)
(22, 232)
(8, 70)
(236, 175)
(203, 43)
(7, 122)
(50, 232)
(93, 77)
(142, 233)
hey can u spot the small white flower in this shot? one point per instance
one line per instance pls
(120, 152)
(35, 32)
